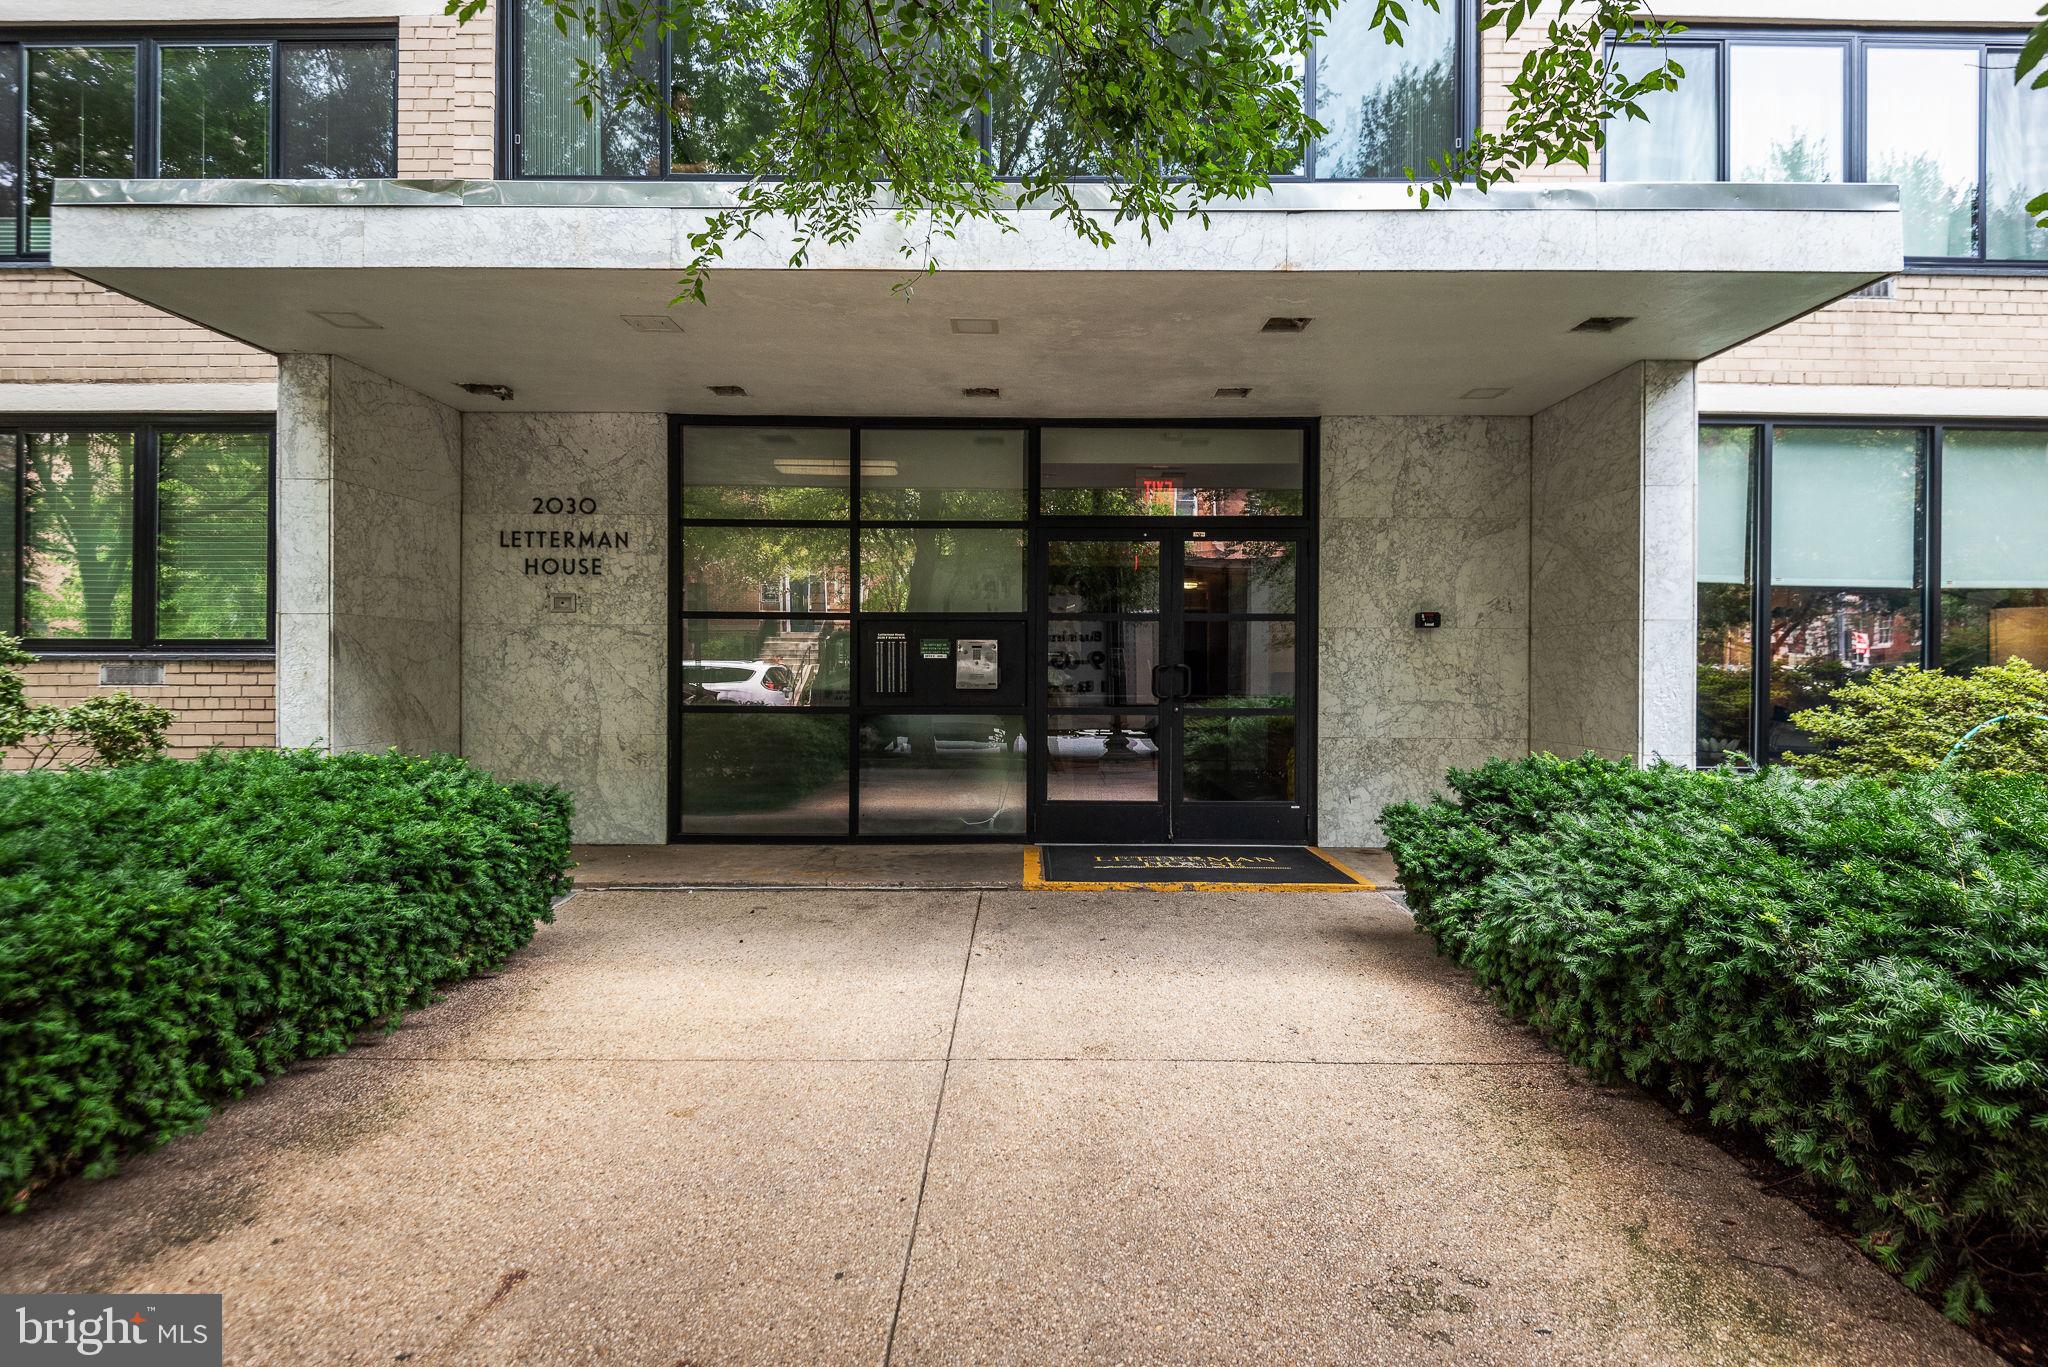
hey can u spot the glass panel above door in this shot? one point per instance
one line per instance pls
(795, 474)
(941, 475)
(1238, 576)
(1170, 472)
(1102, 576)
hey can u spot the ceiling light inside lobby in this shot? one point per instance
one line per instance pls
(834, 469)
(980, 327)
(341, 318)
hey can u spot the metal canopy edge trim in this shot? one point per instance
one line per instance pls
(1320, 197)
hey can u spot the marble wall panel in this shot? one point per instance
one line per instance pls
(1418, 514)
(565, 675)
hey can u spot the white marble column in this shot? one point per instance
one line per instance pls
(1611, 567)
(369, 562)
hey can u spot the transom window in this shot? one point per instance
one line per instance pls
(1937, 115)
(312, 105)
(136, 535)
(1387, 108)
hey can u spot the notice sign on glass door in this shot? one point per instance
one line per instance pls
(892, 662)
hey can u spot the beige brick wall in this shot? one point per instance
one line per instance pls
(1499, 59)
(229, 703)
(447, 76)
(1987, 331)
(56, 328)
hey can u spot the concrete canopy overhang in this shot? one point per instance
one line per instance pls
(529, 285)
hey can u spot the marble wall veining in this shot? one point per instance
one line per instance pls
(1418, 514)
(564, 673)
(1611, 567)
(369, 581)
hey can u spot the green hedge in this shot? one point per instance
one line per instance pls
(1855, 973)
(175, 932)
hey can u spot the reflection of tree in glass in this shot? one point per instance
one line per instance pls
(940, 569)
(1399, 125)
(215, 111)
(723, 103)
(80, 494)
(1724, 669)
(81, 116)
(337, 110)
(213, 541)
(1938, 214)
(1803, 158)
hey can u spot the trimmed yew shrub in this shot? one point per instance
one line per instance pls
(173, 933)
(1852, 971)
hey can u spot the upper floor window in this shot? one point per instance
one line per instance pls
(1937, 115)
(197, 105)
(136, 535)
(1387, 108)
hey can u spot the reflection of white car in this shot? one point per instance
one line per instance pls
(1095, 745)
(742, 683)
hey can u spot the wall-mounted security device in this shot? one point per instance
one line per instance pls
(1429, 619)
(974, 664)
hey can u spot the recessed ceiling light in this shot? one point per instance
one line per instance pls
(727, 391)
(1234, 391)
(1484, 392)
(1604, 322)
(650, 322)
(1286, 325)
(501, 392)
(981, 392)
(342, 319)
(979, 326)
(834, 469)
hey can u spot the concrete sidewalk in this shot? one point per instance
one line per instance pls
(695, 1128)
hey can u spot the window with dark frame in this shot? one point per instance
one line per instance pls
(137, 535)
(1388, 108)
(233, 104)
(1936, 114)
(1846, 548)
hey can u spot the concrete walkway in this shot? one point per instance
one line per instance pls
(939, 1127)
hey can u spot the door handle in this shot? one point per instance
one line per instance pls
(1159, 689)
(1187, 682)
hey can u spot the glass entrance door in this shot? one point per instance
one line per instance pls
(1169, 702)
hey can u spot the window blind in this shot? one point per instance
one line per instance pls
(1844, 507)
(80, 524)
(213, 536)
(1994, 510)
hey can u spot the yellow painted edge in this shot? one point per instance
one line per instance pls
(1034, 881)
(1319, 852)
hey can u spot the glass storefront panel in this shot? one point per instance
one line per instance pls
(1238, 759)
(1170, 472)
(942, 775)
(766, 662)
(1389, 109)
(1091, 663)
(941, 475)
(1239, 663)
(764, 773)
(788, 570)
(1727, 510)
(213, 111)
(1994, 547)
(1823, 638)
(79, 521)
(773, 474)
(1102, 757)
(1238, 576)
(941, 569)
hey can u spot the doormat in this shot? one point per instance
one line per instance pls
(1186, 868)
